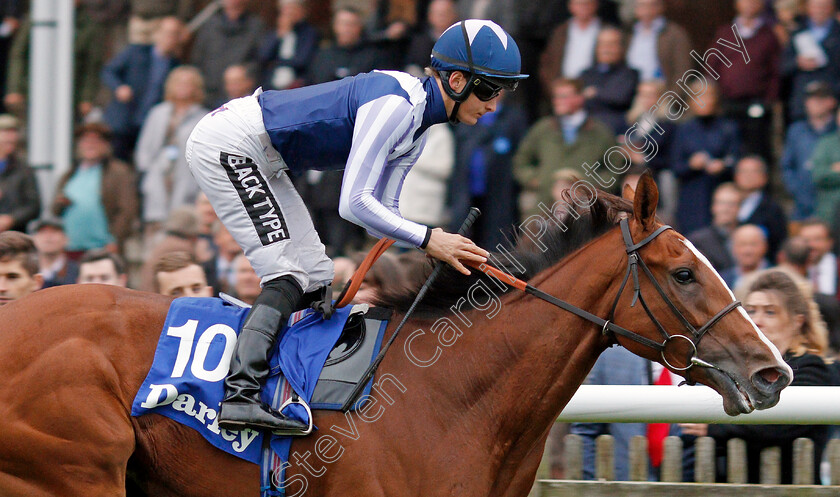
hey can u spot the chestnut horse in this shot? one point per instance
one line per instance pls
(464, 399)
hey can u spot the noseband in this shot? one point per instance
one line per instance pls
(634, 261)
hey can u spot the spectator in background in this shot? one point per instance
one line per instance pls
(659, 49)
(97, 198)
(177, 274)
(231, 36)
(813, 54)
(10, 19)
(147, 16)
(826, 174)
(348, 54)
(749, 249)
(20, 202)
(566, 140)
(788, 16)
(227, 250)
(757, 206)
(441, 15)
(167, 183)
(239, 81)
(648, 119)
(88, 56)
(822, 263)
(51, 242)
(205, 247)
(388, 26)
(136, 77)
(609, 84)
(571, 47)
(715, 241)
(794, 257)
(180, 234)
(749, 89)
(423, 194)
(788, 317)
(247, 285)
(19, 274)
(800, 142)
(286, 53)
(104, 267)
(703, 152)
(483, 168)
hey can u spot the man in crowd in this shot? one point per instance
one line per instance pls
(610, 83)
(822, 263)
(571, 48)
(757, 207)
(19, 274)
(51, 242)
(348, 55)
(247, 286)
(231, 36)
(566, 140)
(812, 55)
(714, 241)
(136, 77)
(802, 137)
(659, 49)
(19, 199)
(101, 266)
(239, 81)
(177, 274)
(749, 248)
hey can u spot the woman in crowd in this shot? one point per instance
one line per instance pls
(166, 182)
(788, 316)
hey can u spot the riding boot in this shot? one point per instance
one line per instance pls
(249, 368)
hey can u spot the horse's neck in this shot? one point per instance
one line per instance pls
(530, 359)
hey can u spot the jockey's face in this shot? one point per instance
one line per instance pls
(15, 281)
(472, 108)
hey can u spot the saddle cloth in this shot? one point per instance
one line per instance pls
(186, 380)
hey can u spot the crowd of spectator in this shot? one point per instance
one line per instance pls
(740, 130)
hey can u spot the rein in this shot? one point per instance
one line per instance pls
(607, 325)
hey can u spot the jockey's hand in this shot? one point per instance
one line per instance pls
(452, 248)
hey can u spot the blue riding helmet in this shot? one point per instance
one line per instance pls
(487, 55)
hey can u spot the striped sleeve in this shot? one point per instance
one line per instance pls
(371, 186)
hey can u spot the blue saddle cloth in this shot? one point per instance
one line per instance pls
(186, 380)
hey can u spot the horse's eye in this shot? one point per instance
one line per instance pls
(683, 276)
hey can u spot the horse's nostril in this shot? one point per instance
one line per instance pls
(770, 375)
(770, 380)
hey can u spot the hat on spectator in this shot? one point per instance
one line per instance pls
(101, 129)
(818, 89)
(8, 121)
(45, 222)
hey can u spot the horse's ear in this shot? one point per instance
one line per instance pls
(644, 200)
(628, 192)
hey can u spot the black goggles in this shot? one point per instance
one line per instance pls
(486, 90)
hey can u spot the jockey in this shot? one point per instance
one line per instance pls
(373, 126)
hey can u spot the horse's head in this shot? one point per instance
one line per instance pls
(681, 296)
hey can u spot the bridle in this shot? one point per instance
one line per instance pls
(634, 261)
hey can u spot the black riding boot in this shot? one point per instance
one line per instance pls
(249, 368)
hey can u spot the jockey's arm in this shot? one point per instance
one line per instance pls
(371, 186)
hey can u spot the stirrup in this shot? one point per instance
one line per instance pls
(295, 399)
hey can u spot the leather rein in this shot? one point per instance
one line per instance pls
(608, 326)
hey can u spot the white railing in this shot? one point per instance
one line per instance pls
(695, 404)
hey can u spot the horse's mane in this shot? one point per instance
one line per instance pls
(451, 285)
